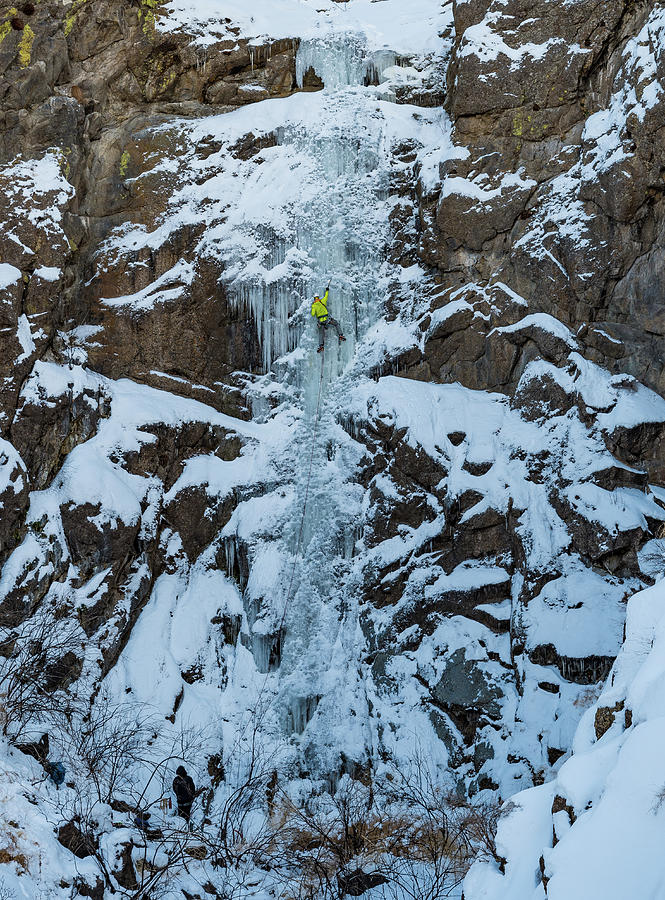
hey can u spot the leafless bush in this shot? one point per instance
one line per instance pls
(34, 661)
(233, 840)
(237, 830)
(123, 755)
(317, 840)
(404, 835)
(479, 822)
(159, 864)
(659, 800)
(108, 742)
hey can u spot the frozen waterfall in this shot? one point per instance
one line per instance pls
(342, 60)
(328, 221)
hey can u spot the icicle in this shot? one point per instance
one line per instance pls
(343, 60)
(299, 712)
(201, 59)
(261, 647)
(376, 65)
(230, 553)
(339, 60)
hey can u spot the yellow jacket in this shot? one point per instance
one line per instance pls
(320, 308)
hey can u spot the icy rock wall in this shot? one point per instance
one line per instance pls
(421, 566)
(334, 228)
(333, 223)
(459, 582)
(595, 830)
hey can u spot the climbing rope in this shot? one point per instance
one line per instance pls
(317, 416)
(296, 557)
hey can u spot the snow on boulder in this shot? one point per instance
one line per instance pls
(596, 832)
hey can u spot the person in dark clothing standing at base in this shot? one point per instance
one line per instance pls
(185, 791)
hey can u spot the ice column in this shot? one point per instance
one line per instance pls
(332, 226)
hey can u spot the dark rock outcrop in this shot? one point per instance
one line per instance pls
(81, 843)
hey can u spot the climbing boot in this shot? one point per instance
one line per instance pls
(341, 338)
(320, 350)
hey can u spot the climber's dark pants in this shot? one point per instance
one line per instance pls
(323, 325)
(185, 809)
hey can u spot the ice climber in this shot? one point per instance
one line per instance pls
(325, 320)
(185, 792)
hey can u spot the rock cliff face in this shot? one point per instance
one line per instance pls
(560, 196)
(429, 534)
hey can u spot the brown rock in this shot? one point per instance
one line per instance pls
(198, 518)
(560, 804)
(94, 546)
(586, 670)
(124, 872)
(13, 506)
(604, 718)
(47, 432)
(77, 841)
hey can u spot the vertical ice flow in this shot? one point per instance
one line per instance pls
(337, 231)
(345, 235)
(342, 60)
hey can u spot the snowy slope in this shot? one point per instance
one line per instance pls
(596, 830)
(387, 25)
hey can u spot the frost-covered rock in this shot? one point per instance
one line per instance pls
(423, 538)
(595, 830)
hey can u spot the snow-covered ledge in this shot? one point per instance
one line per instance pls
(597, 830)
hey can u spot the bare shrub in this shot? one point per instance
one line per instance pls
(659, 800)
(108, 742)
(403, 835)
(123, 754)
(5, 892)
(33, 676)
